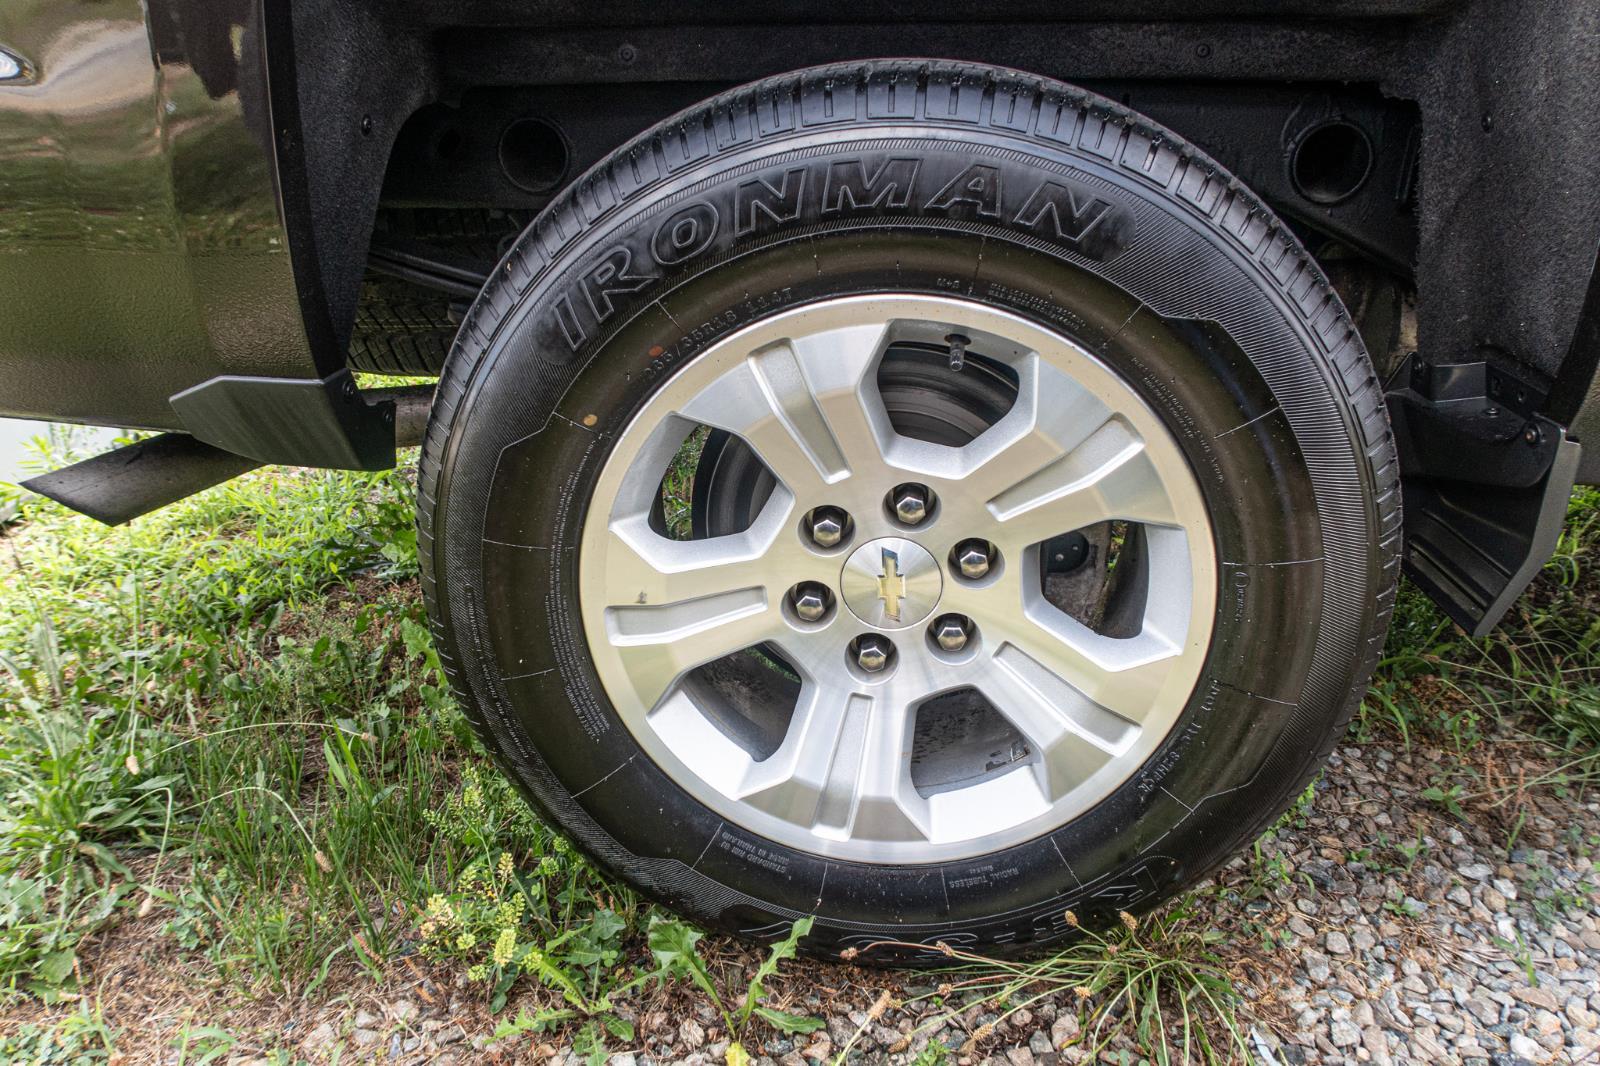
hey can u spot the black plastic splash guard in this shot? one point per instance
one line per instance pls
(1486, 480)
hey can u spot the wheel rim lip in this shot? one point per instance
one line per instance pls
(1106, 384)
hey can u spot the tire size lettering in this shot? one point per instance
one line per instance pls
(1157, 772)
(663, 359)
(769, 301)
(751, 852)
(985, 876)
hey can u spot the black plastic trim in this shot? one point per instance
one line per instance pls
(294, 191)
(292, 421)
(123, 484)
(1486, 480)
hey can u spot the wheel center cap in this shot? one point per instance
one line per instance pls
(891, 583)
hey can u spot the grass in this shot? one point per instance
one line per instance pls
(224, 724)
(77, 1039)
(1536, 678)
(164, 699)
(1165, 987)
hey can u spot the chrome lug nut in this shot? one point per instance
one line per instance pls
(911, 504)
(827, 527)
(972, 559)
(872, 652)
(810, 601)
(950, 632)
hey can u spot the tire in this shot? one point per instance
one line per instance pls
(400, 328)
(403, 328)
(997, 193)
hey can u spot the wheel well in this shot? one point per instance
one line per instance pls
(469, 170)
(1356, 121)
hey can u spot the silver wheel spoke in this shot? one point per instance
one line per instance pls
(808, 406)
(1081, 703)
(887, 806)
(810, 780)
(647, 570)
(843, 769)
(1107, 476)
(1052, 415)
(1119, 677)
(658, 645)
(673, 605)
(840, 366)
(903, 707)
(1047, 712)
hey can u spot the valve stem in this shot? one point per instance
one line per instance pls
(958, 350)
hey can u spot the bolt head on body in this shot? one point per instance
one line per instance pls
(872, 652)
(827, 527)
(972, 559)
(910, 504)
(950, 632)
(810, 601)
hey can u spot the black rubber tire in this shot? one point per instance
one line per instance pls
(1149, 254)
(401, 328)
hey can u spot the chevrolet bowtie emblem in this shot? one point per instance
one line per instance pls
(891, 584)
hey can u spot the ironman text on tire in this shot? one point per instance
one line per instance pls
(919, 495)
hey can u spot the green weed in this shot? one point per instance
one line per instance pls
(81, 1038)
(1159, 984)
(520, 901)
(674, 946)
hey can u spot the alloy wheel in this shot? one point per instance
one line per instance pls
(881, 578)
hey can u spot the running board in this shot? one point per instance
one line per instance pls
(123, 484)
(134, 480)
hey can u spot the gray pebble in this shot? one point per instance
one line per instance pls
(1525, 1048)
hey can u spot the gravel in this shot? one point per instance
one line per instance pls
(1435, 939)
